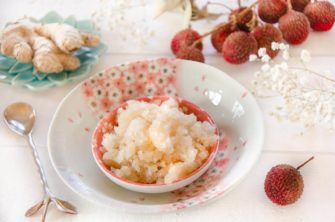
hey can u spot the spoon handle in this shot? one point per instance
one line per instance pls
(39, 165)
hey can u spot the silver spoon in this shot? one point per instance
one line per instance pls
(20, 118)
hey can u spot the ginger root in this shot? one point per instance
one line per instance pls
(50, 47)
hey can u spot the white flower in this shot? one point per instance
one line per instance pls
(114, 94)
(170, 90)
(265, 67)
(286, 55)
(308, 95)
(274, 46)
(114, 73)
(265, 58)
(283, 46)
(129, 78)
(150, 89)
(283, 66)
(261, 52)
(252, 58)
(305, 56)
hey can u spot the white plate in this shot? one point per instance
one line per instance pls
(232, 107)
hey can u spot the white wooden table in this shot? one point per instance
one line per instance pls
(20, 188)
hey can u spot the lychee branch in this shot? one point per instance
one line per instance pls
(315, 73)
(239, 15)
(289, 4)
(239, 3)
(304, 163)
(220, 4)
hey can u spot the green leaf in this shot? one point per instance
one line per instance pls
(51, 17)
(20, 67)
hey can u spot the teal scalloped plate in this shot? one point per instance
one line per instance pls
(25, 75)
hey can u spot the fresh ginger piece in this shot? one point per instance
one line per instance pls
(48, 46)
(14, 41)
(49, 59)
(67, 38)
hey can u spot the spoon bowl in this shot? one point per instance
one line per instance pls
(20, 118)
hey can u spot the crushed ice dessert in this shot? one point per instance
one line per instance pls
(157, 143)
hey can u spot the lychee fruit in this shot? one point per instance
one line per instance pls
(238, 47)
(299, 5)
(185, 38)
(242, 22)
(265, 35)
(294, 27)
(321, 15)
(219, 36)
(271, 10)
(190, 53)
(284, 183)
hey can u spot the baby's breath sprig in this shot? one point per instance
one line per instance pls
(308, 95)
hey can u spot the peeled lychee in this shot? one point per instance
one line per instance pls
(284, 183)
(238, 47)
(265, 35)
(185, 38)
(299, 5)
(271, 10)
(219, 36)
(294, 26)
(190, 53)
(242, 22)
(321, 15)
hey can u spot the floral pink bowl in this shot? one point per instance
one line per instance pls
(107, 124)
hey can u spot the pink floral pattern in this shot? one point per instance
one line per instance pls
(106, 90)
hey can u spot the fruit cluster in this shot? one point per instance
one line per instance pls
(243, 34)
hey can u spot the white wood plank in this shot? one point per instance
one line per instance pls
(246, 202)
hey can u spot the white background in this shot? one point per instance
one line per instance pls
(284, 143)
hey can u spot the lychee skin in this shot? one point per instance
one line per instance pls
(299, 5)
(219, 36)
(321, 15)
(283, 184)
(185, 38)
(242, 22)
(294, 27)
(190, 53)
(238, 47)
(271, 10)
(265, 35)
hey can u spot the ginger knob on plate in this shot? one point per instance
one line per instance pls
(49, 47)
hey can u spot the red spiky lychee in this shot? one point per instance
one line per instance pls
(284, 183)
(271, 10)
(265, 35)
(185, 38)
(243, 21)
(294, 26)
(190, 53)
(299, 5)
(238, 47)
(219, 36)
(321, 15)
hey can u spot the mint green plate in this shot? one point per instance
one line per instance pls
(25, 75)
